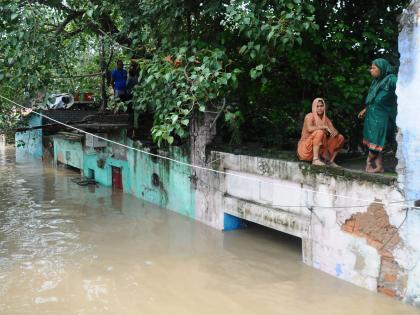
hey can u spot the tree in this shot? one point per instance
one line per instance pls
(212, 47)
(259, 62)
(46, 45)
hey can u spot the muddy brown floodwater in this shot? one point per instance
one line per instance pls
(66, 249)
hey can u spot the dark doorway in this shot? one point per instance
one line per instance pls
(91, 173)
(117, 183)
(251, 232)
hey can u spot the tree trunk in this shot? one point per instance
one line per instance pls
(104, 71)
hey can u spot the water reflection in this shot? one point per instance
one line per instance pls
(67, 249)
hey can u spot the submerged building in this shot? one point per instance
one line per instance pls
(348, 221)
(362, 228)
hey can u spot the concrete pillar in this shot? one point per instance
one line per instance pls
(408, 93)
(408, 154)
(208, 188)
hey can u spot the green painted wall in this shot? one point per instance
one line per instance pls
(172, 190)
(68, 152)
(103, 175)
(29, 143)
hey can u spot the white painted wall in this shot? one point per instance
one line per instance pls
(268, 191)
(408, 92)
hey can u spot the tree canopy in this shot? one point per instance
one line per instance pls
(259, 62)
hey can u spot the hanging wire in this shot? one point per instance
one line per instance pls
(369, 202)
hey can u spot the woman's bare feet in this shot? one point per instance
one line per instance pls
(333, 164)
(375, 170)
(317, 162)
(369, 167)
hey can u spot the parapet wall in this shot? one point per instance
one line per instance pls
(408, 155)
(360, 238)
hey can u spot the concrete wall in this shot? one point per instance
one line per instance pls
(101, 161)
(409, 142)
(355, 238)
(68, 152)
(173, 190)
(29, 143)
(161, 182)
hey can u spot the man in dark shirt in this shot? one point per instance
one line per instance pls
(119, 80)
(133, 76)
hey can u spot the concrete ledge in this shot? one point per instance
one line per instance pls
(295, 170)
(347, 174)
(277, 219)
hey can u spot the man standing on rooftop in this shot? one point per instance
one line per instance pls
(119, 81)
(133, 76)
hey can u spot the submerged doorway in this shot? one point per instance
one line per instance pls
(251, 232)
(117, 183)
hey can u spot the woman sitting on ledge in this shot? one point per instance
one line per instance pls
(320, 141)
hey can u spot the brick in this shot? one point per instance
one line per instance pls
(390, 278)
(356, 226)
(386, 254)
(387, 291)
(374, 243)
(389, 264)
(375, 227)
(350, 223)
(347, 228)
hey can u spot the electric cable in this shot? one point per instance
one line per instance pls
(403, 202)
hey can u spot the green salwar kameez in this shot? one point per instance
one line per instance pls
(381, 108)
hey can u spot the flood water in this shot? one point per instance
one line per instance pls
(67, 249)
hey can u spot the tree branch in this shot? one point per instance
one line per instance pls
(71, 17)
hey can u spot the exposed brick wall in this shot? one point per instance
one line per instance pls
(375, 227)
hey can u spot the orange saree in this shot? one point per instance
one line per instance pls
(328, 145)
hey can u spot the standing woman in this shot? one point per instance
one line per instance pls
(380, 112)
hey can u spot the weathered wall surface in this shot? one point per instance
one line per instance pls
(207, 185)
(161, 182)
(356, 238)
(101, 161)
(68, 152)
(29, 143)
(409, 143)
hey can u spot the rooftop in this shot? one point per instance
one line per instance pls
(351, 165)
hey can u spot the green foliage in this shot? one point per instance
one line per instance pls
(174, 87)
(332, 62)
(265, 59)
(47, 46)
(235, 42)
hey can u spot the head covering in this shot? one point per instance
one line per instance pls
(384, 66)
(386, 76)
(319, 121)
